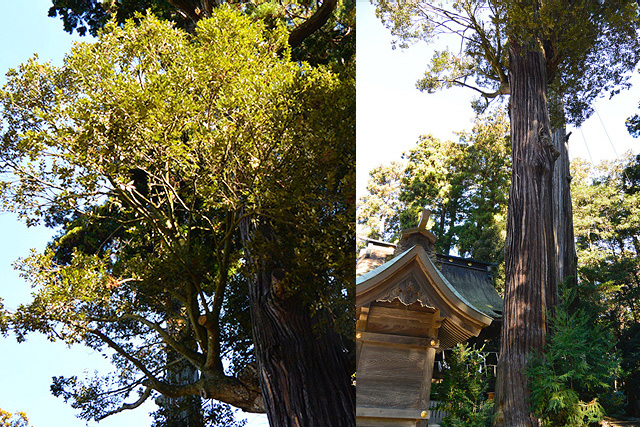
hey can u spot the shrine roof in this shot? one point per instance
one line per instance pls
(468, 279)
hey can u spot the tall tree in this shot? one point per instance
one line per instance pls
(608, 240)
(317, 32)
(196, 180)
(465, 184)
(520, 48)
(378, 210)
(433, 180)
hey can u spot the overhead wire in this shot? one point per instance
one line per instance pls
(586, 145)
(605, 132)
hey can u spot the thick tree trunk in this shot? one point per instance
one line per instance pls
(183, 411)
(530, 246)
(563, 212)
(303, 368)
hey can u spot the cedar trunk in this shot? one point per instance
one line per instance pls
(303, 366)
(563, 212)
(185, 411)
(530, 248)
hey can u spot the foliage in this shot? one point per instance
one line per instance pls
(588, 45)
(629, 345)
(465, 184)
(222, 415)
(19, 419)
(321, 33)
(607, 221)
(461, 394)
(146, 150)
(579, 364)
(378, 210)
(433, 180)
(216, 414)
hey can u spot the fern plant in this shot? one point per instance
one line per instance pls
(579, 364)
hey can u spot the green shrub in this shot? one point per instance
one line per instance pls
(578, 366)
(462, 392)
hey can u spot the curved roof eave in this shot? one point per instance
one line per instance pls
(367, 282)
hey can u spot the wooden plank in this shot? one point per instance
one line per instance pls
(400, 340)
(412, 414)
(425, 392)
(384, 422)
(358, 352)
(362, 315)
(394, 393)
(400, 321)
(388, 361)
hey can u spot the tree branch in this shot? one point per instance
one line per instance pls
(136, 362)
(127, 406)
(311, 25)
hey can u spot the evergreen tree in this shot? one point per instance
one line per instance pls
(520, 48)
(378, 210)
(462, 392)
(464, 183)
(579, 365)
(197, 181)
(607, 235)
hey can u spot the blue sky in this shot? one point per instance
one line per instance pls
(26, 369)
(392, 113)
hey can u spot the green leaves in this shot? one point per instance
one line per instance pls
(461, 394)
(579, 365)
(589, 46)
(607, 231)
(378, 211)
(67, 296)
(465, 184)
(146, 149)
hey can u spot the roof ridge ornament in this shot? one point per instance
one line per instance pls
(424, 219)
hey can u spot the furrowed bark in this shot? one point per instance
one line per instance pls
(530, 247)
(304, 372)
(563, 214)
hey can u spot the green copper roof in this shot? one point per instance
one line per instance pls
(476, 287)
(470, 282)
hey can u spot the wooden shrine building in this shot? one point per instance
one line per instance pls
(408, 308)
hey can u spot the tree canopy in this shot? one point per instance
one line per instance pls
(464, 184)
(319, 31)
(147, 150)
(590, 47)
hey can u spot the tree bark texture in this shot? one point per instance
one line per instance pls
(530, 246)
(563, 213)
(183, 411)
(302, 364)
